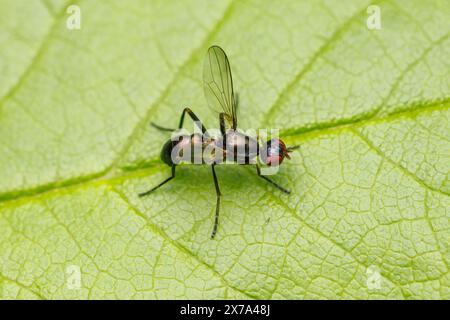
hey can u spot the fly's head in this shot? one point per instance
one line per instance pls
(275, 152)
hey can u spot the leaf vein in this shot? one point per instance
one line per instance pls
(156, 230)
(379, 152)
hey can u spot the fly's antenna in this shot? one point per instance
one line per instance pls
(292, 148)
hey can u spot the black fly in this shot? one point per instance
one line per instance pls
(231, 144)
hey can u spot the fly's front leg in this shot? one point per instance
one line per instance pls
(218, 194)
(271, 181)
(159, 185)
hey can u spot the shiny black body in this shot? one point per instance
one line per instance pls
(231, 145)
(234, 146)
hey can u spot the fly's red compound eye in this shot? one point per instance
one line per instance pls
(275, 152)
(274, 160)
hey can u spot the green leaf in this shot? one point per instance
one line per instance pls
(368, 216)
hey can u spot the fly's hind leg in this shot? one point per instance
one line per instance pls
(159, 185)
(218, 194)
(154, 125)
(193, 116)
(258, 170)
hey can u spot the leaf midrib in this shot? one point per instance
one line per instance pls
(110, 173)
(118, 176)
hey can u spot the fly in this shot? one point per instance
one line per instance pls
(230, 144)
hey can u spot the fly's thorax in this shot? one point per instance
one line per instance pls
(240, 148)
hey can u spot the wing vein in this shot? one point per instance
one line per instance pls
(218, 84)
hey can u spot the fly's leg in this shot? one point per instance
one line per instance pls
(218, 194)
(236, 100)
(196, 120)
(159, 185)
(161, 128)
(223, 141)
(222, 124)
(271, 181)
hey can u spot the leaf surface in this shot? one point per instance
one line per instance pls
(370, 183)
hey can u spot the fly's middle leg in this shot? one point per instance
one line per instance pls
(218, 194)
(223, 130)
(222, 124)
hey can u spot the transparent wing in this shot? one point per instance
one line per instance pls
(218, 84)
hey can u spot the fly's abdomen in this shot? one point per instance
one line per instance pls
(189, 149)
(166, 152)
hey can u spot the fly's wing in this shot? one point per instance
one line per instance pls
(218, 84)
